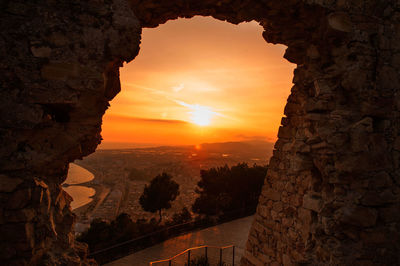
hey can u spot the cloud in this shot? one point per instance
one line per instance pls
(136, 101)
(132, 119)
(178, 88)
(155, 91)
(234, 70)
(167, 95)
(195, 107)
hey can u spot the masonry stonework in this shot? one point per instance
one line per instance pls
(332, 193)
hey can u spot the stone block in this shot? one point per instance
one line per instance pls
(19, 199)
(258, 226)
(17, 216)
(337, 139)
(315, 116)
(15, 232)
(286, 260)
(397, 144)
(318, 106)
(275, 215)
(374, 198)
(277, 206)
(381, 179)
(359, 141)
(58, 39)
(374, 237)
(358, 216)
(252, 259)
(271, 194)
(263, 211)
(284, 132)
(287, 222)
(389, 77)
(268, 250)
(340, 22)
(300, 162)
(365, 124)
(43, 51)
(9, 184)
(321, 87)
(7, 252)
(296, 200)
(312, 202)
(362, 162)
(390, 214)
(263, 258)
(63, 199)
(60, 71)
(312, 52)
(305, 217)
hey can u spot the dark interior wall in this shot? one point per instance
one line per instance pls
(58, 70)
(331, 196)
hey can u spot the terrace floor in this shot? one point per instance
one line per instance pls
(231, 233)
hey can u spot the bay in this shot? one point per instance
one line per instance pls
(81, 195)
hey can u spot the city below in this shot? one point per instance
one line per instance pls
(117, 177)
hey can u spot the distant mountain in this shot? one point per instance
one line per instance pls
(255, 148)
(227, 147)
(124, 145)
(235, 146)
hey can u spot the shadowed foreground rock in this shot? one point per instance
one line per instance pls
(331, 196)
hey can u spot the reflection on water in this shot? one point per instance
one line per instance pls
(81, 195)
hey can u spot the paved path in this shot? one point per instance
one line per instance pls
(231, 233)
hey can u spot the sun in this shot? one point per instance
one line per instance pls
(201, 115)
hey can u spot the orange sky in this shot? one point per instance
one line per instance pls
(200, 71)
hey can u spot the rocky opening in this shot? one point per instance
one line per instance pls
(331, 195)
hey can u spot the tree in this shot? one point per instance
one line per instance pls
(159, 194)
(225, 189)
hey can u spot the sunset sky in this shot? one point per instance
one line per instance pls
(200, 80)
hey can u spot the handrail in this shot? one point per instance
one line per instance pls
(189, 249)
(140, 237)
(194, 248)
(177, 229)
(151, 234)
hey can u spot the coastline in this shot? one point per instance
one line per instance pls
(77, 189)
(84, 213)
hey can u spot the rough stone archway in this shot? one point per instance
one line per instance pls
(332, 193)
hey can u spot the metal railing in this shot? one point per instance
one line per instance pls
(209, 254)
(125, 248)
(119, 250)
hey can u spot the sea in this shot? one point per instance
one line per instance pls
(81, 195)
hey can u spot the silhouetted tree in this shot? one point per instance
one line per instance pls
(159, 194)
(225, 189)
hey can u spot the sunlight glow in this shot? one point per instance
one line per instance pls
(201, 115)
(200, 80)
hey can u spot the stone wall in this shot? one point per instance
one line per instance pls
(331, 196)
(59, 69)
(332, 193)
